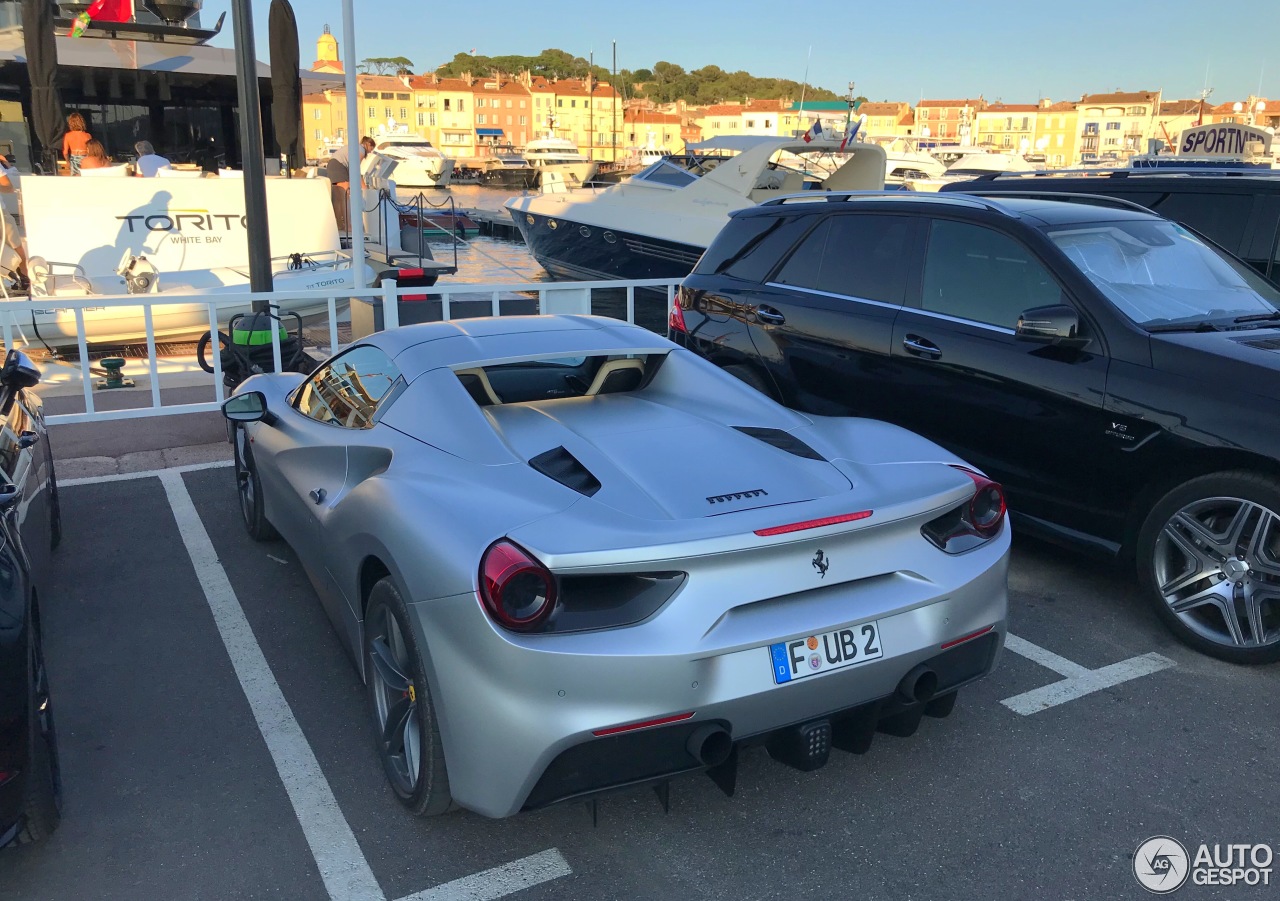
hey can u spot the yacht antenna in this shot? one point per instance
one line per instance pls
(804, 84)
(614, 104)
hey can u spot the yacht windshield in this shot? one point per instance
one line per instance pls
(664, 172)
(1158, 273)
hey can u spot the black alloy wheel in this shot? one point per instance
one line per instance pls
(406, 731)
(249, 488)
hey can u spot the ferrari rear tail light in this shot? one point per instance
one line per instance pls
(813, 523)
(973, 523)
(516, 590)
(986, 507)
(675, 322)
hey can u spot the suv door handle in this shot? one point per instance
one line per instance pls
(921, 347)
(769, 316)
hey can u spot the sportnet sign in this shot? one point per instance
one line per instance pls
(177, 224)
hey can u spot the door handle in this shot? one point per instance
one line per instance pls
(769, 316)
(921, 347)
(318, 495)
(28, 439)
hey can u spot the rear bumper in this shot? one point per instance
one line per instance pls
(656, 754)
(518, 715)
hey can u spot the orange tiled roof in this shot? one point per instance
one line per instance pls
(1121, 97)
(956, 103)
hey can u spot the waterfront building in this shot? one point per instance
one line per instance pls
(1257, 111)
(948, 121)
(650, 129)
(1057, 136)
(589, 114)
(890, 118)
(797, 118)
(1174, 117)
(1116, 126)
(503, 113)
(324, 120)
(1007, 127)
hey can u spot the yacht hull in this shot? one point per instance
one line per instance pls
(574, 174)
(573, 250)
(521, 178)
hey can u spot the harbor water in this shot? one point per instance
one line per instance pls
(485, 260)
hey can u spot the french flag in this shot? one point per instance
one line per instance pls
(814, 132)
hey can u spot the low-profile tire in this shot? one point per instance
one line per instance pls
(42, 792)
(405, 728)
(249, 489)
(753, 377)
(1208, 557)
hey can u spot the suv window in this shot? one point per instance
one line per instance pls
(856, 255)
(348, 390)
(973, 272)
(1223, 217)
(750, 246)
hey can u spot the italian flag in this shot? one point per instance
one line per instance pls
(102, 11)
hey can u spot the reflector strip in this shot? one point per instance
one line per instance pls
(813, 524)
(614, 730)
(963, 638)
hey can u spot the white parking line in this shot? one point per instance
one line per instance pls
(1080, 680)
(343, 867)
(500, 881)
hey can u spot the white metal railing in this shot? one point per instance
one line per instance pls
(13, 313)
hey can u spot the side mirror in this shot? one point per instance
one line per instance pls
(9, 495)
(248, 407)
(1058, 324)
(19, 371)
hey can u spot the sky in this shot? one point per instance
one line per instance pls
(1017, 52)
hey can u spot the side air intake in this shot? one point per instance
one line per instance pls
(783, 441)
(563, 467)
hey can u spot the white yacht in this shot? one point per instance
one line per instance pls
(906, 162)
(658, 222)
(180, 237)
(418, 164)
(562, 156)
(973, 164)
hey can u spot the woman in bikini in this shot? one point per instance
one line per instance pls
(95, 156)
(75, 142)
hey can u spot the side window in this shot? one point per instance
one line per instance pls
(806, 262)
(855, 255)
(867, 257)
(1220, 217)
(749, 247)
(972, 272)
(347, 391)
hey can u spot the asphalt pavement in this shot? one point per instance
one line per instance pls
(215, 743)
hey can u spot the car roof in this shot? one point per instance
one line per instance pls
(1034, 211)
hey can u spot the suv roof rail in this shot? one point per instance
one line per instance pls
(966, 199)
(1137, 172)
(1075, 197)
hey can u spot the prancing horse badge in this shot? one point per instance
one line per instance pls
(820, 563)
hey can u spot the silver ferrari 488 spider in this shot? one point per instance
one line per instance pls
(569, 556)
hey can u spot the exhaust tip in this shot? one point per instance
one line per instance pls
(918, 685)
(710, 745)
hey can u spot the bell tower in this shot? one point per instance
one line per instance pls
(327, 59)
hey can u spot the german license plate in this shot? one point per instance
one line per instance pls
(824, 652)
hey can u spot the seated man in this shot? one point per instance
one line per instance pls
(148, 160)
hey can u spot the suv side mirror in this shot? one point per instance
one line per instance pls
(248, 407)
(1058, 324)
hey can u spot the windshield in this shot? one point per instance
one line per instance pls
(1158, 273)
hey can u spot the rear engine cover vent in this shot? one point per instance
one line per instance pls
(784, 441)
(563, 467)
(1261, 343)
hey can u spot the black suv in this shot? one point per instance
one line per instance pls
(1119, 376)
(1236, 208)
